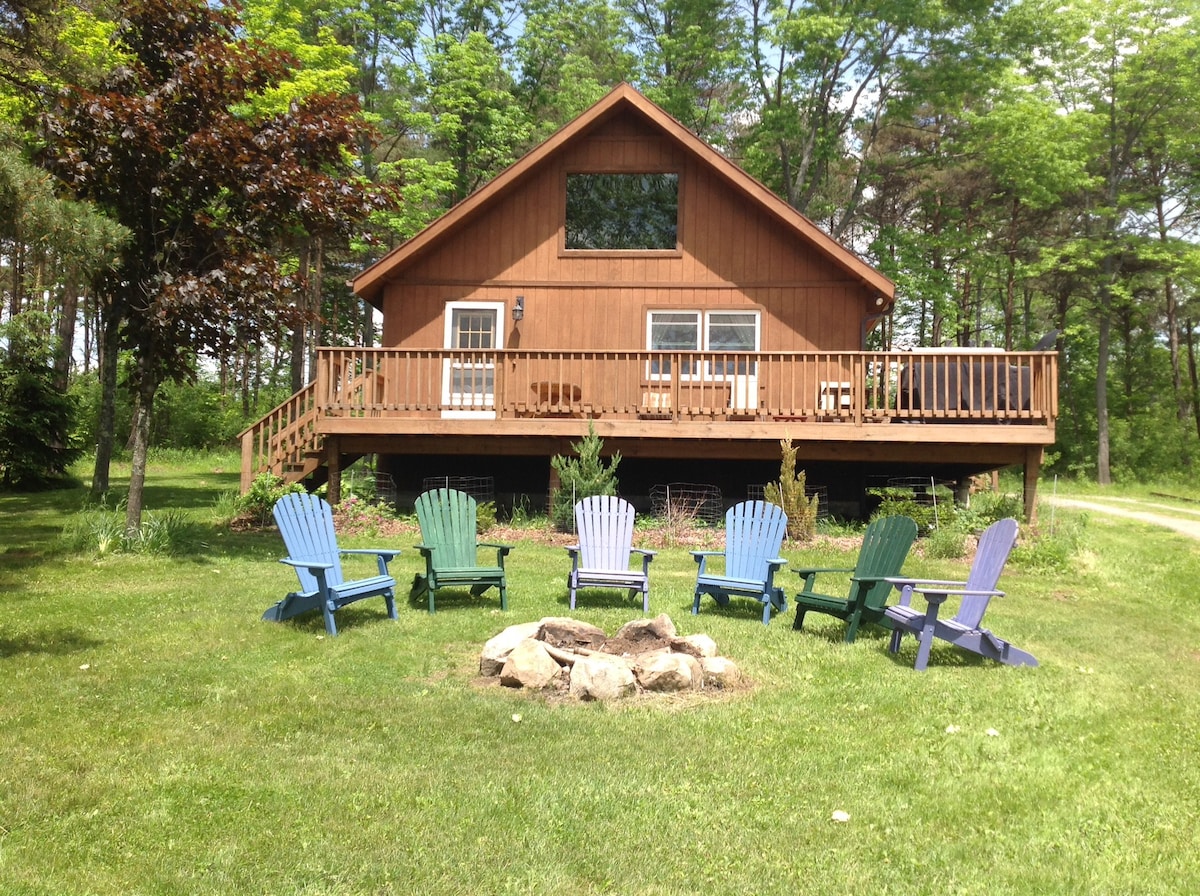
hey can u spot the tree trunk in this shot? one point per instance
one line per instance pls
(66, 334)
(1103, 471)
(1193, 375)
(299, 347)
(110, 342)
(141, 447)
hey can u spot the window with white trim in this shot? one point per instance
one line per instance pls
(713, 331)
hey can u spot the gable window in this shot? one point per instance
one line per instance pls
(711, 331)
(631, 212)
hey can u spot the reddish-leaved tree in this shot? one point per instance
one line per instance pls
(214, 193)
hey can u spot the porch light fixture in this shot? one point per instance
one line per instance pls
(518, 311)
(879, 301)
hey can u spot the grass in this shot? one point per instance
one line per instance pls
(159, 739)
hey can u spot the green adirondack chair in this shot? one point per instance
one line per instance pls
(450, 548)
(885, 546)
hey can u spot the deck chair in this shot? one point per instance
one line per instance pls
(885, 546)
(306, 524)
(448, 527)
(964, 629)
(604, 524)
(754, 531)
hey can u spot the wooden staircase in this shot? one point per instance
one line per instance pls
(284, 441)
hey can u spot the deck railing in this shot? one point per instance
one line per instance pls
(857, 387)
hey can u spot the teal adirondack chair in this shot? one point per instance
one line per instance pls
(964, 630)
(604, 524)
(306, 524)
(885, 547)
(754, 532)
(448, 543)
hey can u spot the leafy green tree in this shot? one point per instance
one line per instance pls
(690, 56)
(568, 55)
(170, 146)
(1114, 71)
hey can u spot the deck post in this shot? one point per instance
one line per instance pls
(333, 463)
(1033, 466)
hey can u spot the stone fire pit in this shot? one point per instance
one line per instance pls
(566, 655)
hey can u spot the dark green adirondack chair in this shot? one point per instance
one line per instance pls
(885, 546)
(450, 548)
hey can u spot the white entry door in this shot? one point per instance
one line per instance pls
(474, 332)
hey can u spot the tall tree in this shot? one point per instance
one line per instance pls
(1107, 72)
(690, 56)
(170, 145)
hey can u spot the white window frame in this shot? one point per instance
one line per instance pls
(464, 405)
(703, 331)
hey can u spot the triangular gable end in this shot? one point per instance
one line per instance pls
(369, 283)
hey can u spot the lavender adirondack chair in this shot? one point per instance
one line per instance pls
(604, 524)
(964, 629)
(754, 532)
(306, 524)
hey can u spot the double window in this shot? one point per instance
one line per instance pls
(703, 331)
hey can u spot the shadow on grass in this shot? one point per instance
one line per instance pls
(604, 599)
(450, 598)
(55, 642)
(348, 619)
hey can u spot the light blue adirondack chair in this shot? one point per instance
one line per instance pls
(754, 532)
(448, 543)
(604, 524)
(964, 630)
(306, 524)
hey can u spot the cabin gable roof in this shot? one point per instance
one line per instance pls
(622, 100)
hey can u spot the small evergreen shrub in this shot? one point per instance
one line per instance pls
(946, 543)
(895, 501)
(260, 498)
(580, 477)
(790, 494)
(485, 516)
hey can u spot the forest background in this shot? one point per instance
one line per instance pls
(186, 187)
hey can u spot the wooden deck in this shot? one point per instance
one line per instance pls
(986, 409)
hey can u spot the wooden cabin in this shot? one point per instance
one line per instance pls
(625, 275)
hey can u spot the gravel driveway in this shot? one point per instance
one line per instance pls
(1181, 519)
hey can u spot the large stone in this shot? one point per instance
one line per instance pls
(569, 634)
(601, 678)
(720, 672)
(496, 650)
(668, 672)
(698, 646)
(660, 628)
(529, 666)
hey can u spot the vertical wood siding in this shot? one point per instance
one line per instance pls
(732, 255)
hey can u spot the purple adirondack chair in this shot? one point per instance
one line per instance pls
(964, 629)
(604, 524)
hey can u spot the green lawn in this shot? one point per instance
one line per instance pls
(156, 737)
